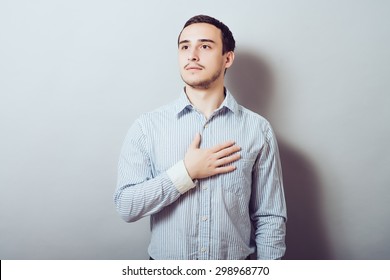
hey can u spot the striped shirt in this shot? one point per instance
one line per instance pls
(226, 216)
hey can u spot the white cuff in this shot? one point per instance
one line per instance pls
(180, 178)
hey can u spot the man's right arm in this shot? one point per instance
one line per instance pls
(138, 194)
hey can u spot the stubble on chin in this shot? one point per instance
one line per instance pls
(202, 84)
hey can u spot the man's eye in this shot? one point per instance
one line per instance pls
(205, 46)
(184, 47)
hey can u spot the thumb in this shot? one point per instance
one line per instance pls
(196, 142)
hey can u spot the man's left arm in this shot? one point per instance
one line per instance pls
(268, 206)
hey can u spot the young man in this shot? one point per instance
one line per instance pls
(204, 168)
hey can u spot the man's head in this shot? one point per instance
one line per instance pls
(206, 50)
(228, 42)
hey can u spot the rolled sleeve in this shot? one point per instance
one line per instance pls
(180, 178)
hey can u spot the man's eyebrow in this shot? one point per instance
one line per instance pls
(200, 40)
(207, 41)
(184, 42)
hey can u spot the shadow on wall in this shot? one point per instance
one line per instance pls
(252, 83)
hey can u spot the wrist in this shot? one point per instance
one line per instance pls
(189, 169)
(180, 177)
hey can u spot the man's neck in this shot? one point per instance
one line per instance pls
(206, 100)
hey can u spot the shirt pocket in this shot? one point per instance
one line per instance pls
(239, 181)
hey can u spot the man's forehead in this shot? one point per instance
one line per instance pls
(201, 31)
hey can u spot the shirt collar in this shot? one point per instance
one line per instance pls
(183, 104)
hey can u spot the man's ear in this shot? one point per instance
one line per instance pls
(229, 59)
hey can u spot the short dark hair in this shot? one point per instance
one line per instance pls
(228, 42)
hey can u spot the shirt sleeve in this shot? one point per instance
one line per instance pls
(268, 206)
(138, 193)
(180, 177)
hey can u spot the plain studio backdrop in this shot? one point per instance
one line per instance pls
(74, 75)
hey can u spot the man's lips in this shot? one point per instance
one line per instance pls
(193, 67)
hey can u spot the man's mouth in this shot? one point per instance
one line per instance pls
(193, 67)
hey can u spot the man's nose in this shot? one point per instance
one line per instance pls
(193, 55)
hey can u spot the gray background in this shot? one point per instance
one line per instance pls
(74, 75)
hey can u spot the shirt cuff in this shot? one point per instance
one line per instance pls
(180, 178)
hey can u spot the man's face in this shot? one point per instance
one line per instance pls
(201, 61)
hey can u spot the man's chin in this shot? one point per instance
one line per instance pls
(198, 84)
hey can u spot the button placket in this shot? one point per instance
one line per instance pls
(204, 203)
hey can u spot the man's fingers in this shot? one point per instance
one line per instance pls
(227, 151)
(222, 146)
(225, 169)
(196, 141)
(203, 163)
(227, 160)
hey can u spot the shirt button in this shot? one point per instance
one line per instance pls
(203, 249)
(204, 218)
(204, 187)
(206, 126)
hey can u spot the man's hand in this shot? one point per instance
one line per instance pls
(203, 163)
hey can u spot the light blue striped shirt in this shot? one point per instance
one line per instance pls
(226, 216)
